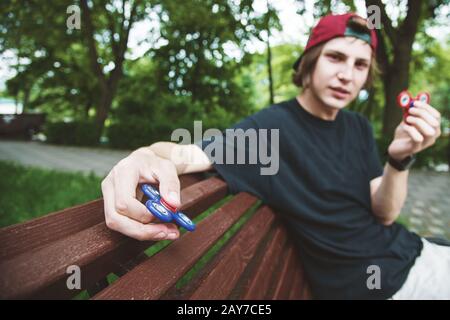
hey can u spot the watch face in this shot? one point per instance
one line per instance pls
(408, 161)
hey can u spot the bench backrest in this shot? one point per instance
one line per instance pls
(257, 261)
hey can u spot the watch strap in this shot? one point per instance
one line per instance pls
(402, 165)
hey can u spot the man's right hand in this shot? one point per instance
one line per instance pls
(123, 210)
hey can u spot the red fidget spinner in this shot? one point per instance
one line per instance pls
(405, 100)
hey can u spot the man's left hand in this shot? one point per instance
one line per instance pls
(421, 131)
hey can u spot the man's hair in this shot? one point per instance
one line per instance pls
(302, 76)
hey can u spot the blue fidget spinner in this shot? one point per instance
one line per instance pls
(164, 211)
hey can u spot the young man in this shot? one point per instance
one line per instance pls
(331, 190)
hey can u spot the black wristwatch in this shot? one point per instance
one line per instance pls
(402, 165)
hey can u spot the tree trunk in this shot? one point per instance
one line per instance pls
(26, 98)
(269, 56)
(396, 80)
(448, 152)
(103, 110)
(107, 95)
(269, 66)
(16, 101)
(87, 107)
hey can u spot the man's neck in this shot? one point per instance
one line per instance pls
(311, 104)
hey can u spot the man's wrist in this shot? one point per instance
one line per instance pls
(402, 164)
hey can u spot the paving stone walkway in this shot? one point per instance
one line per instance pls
(74, 159)
(427, 207)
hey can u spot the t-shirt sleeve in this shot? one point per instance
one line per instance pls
(375, 168)
(238, 163)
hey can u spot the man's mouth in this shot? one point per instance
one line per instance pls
(339, 92)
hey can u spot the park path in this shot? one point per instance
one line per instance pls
(64, 158)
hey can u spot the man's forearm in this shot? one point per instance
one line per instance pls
(390, 197)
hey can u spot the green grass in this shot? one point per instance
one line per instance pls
(83, 295)
(402, 220)
(27, 193)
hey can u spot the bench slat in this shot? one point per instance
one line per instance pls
(151, 279)
(259, 284)
(284, 283)
(298, 284)
(225, 271)
(29, 272)
(25, 237)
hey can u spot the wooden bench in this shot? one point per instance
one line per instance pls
(257, 262)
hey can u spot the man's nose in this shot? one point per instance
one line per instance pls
(345, 73)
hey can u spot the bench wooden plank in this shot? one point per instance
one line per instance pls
(224, 273)
(284, 281)
(25, 237)
(307, 294)
(96, 250)
(259, 284)
(151, 279)
(29, 272)
(298, 284)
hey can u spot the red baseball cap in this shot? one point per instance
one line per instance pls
(333, 26)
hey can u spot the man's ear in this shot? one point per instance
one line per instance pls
(306, 81)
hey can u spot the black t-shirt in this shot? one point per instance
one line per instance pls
(322, 192)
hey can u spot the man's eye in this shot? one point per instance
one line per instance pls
(362, 65)
(334, 57)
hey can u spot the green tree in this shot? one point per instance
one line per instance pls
(33, 33)
(38, 34)
(194, 61)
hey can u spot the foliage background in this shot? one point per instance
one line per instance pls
(200, 64)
